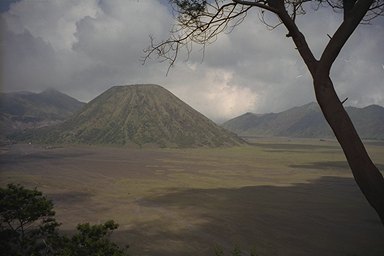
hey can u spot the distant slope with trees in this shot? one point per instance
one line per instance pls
(307, 122)
(26, 110)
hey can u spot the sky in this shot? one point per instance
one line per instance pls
(83, 48)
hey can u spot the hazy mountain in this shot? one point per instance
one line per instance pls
(140, 114)
(308, 122)
(23, 110)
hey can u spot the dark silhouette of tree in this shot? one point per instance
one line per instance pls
(201, 21)
(91, 240)
(28, 227)
(27, 221)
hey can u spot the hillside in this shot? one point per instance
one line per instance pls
(24, 110)
(139, 115)
(307, 122)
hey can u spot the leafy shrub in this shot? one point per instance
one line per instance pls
(28, 227)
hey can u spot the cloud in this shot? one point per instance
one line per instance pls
(84, 47)
(358, 73)
(27, 65)
(216, 94)
(92, 46)
(53, 21)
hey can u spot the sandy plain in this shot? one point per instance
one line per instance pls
(274, 197)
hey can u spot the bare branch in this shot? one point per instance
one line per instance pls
(201, 29)
(201, 21)
(342, 34)
(376, 9)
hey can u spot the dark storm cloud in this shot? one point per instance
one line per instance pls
(28, 62)
(5, 5)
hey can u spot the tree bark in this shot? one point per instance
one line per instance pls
(366, 174)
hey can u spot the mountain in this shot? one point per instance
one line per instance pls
(139, 115)
(307, 122)
(23, 110)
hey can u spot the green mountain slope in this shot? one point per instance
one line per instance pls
(141, 115)
(23, 110)
(307, 122)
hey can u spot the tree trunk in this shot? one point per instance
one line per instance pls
(366, 174)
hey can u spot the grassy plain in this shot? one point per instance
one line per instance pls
(275, 197)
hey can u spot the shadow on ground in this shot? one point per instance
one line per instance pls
(326, 217)
(294, 146)
(12, 158)
(329, 165)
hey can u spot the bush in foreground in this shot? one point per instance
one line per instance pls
(28, 227)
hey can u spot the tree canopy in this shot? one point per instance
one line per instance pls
(27, 221)
(28, 227)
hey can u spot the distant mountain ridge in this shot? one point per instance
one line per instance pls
(138, 115)
(307, 121)
(23, 110)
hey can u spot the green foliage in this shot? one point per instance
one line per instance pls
(218, 251)
(90, 240)
(27, 221)
(192, 8)
(236, 251)
(28, 227)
